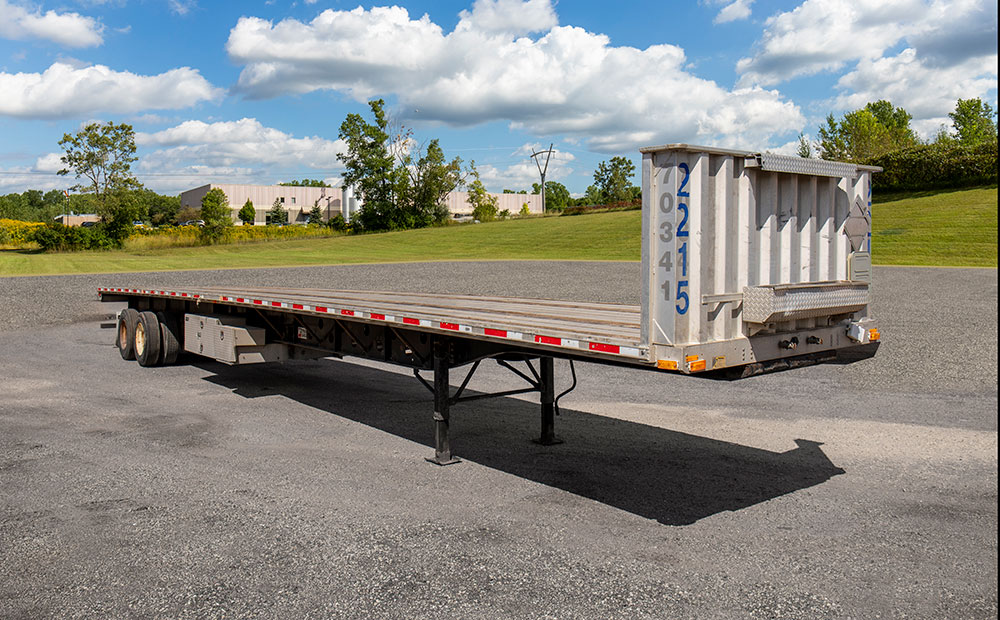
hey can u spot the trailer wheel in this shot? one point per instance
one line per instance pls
(147, 339)
(170, 342)
(127, 320)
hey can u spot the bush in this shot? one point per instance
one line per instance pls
(56, 237)
(17, 233)
(936, 166)
(337, 223)
(614, 206)
(215, 214)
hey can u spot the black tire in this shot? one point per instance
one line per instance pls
(125, 341)
(170, 337)
(147, 339)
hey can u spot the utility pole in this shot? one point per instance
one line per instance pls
(542, 170)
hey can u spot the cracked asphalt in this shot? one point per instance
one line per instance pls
(863, 490)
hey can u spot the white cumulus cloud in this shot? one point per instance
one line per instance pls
(734, 11)
(922, 55)
(515, 17)
(827, 35)
(65, 91)
(565, 81)
(195, 152)
(925, 90)
(69, 29)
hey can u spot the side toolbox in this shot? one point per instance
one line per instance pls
(229, 340)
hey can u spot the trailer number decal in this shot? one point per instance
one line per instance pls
(667, 234)
(683, 232)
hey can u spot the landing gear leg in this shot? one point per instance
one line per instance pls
(442, 406)
(548, 397)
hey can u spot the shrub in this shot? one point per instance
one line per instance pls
(337, 223)
(56, 237)
(614, 206)
(215, 214)
(936, 166)
(17, 233)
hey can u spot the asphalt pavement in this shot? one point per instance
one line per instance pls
(861, 490)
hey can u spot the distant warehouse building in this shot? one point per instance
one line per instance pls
(299, 201)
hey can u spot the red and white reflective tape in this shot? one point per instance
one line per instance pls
(489, 332)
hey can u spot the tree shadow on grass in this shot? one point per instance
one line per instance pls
(672, 477)
(21, 251)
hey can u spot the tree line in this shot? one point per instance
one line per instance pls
(879, 134)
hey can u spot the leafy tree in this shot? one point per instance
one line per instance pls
(186, 214)
(307, 183)
(247, 213)
(593, 196)
(337, 222)
(369, 168)
(484, 204)
(430, 179)
(216, 214)
(316, 214)
(403, 185)
(613, 179)
(277, 214)
(102, 155)
(160, 209)
(33, 206)
(54, 201)
(974, 122)
(557, 196)
(863, 134)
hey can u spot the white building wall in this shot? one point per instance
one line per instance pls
(298, 201)
(458, 202)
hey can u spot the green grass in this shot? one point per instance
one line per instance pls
(955, 228)
(947, 228)
(603, 236)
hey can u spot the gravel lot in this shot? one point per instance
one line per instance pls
(865, 490)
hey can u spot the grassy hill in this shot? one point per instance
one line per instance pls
(956, 228)
(949, 228)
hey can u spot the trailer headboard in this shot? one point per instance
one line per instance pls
(722, 228)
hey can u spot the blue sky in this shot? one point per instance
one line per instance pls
(255, 92)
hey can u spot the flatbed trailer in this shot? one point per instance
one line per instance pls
(751, 262)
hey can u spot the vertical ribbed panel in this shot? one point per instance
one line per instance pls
(746, 227)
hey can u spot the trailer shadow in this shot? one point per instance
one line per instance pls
(672, 477)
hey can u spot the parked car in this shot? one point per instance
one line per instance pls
(88, 224)
(193, 223)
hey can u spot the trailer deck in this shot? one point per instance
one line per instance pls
(600, 330)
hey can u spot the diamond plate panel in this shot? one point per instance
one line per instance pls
(767, 304)
(803, 165)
